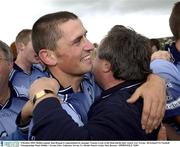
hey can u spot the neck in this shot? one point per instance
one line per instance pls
(112, 83)
(5, 95)
(178, 45)
(109, 81)
(67, 80)
(23, 64)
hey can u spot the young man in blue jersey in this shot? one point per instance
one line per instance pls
(121, 65)
(24, 73)
(10, 102)
(169, 69)
(61, 43)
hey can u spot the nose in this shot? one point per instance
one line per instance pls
(88, 45)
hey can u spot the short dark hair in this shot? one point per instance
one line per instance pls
(6, 51)
(45, 31)
(128, 52)
(174, 21)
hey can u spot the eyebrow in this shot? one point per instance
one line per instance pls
(79, 37)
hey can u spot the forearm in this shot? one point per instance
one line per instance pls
(156, 78)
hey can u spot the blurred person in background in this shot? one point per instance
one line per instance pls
(155, 45)
(24, 73)
(10, 102)
(13, 50)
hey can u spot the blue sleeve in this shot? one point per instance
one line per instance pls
(165, 69)
(171, 74)
(21, 132)
(17, 135)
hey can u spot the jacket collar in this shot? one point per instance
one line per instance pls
(122, 86)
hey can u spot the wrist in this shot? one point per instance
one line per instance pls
(41, 95)
(48, 95)
(24, 119)
(26, 112)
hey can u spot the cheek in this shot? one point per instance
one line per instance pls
(31, 52)
(4, 72)
(71, 60)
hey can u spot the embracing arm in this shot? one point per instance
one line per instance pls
(153, 91)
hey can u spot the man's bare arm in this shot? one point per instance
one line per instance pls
(153, 91)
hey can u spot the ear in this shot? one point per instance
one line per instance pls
(106, 66)
(48, 57)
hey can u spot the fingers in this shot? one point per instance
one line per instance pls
(145, 115)
(154, 103)
(152, 114)
(159, 114)
(160, 109)
(153, 119)
(136, 95)
(43, 83)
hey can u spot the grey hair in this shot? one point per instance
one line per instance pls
(6, 50)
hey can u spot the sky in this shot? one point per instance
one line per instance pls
(147, 17)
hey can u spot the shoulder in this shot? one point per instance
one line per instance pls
(88, 81)
(37, 70)
(161, 64)
(116, 103)
(15, 70)
(39, 67)
(15, 95)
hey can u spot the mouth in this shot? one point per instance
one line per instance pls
(86, 58)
